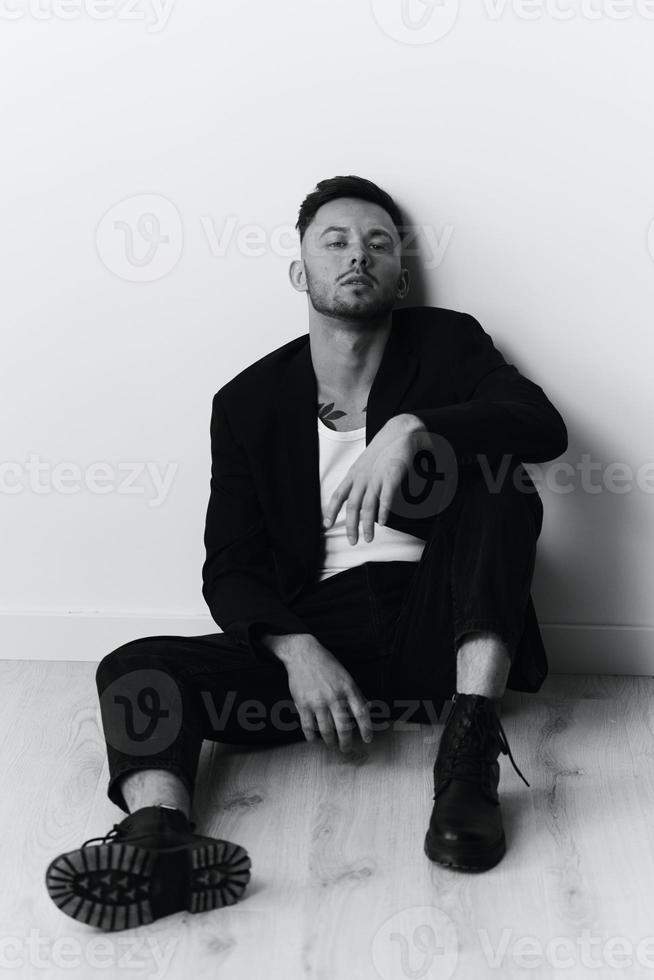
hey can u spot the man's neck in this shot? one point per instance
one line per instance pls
(347, 355)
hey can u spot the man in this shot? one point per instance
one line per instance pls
(370, 540)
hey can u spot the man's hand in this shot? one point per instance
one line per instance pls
(371, 481)
(325, 695)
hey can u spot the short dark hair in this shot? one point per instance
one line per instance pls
(351, 186)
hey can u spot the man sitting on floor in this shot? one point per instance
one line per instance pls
(370, 537)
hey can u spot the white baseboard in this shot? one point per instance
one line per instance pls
(87, 636)
(571, 649)
(586, 648)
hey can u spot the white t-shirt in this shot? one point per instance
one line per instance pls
(338, 450)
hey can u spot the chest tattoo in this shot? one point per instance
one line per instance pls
(328, 414)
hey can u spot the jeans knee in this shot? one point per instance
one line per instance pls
(109, 667)
(128, 656)
(501, 484)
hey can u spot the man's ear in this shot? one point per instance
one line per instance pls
(297, 275)
(403, 284)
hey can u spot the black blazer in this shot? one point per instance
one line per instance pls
(263, 526)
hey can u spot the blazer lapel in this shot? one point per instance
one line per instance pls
(395, 374)
(297, 425)
(297, 421)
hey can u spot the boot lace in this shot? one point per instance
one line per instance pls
(467, 761)
(118, 832)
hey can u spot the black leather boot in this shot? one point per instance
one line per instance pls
(150, 865)
(465, 829)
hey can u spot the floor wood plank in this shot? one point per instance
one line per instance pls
(341, 888)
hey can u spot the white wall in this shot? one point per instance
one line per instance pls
(523, 143)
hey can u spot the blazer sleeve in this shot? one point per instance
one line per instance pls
(238, 575)
(499, 410)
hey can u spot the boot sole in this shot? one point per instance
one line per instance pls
(119, 886)
(464, 859)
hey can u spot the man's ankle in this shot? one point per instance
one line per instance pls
(154, 787)
(177, 809)
(494, 697)
(168, 807)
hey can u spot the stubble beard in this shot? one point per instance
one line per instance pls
(376, 308)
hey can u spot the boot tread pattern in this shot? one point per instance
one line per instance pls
(109, 885)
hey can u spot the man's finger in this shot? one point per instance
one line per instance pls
(308, 723)
(389, 486)
(336, 501)
(344, 723)
(352, 511)
(361, 714)
(368, 514)
(385, 499)
(326, 725)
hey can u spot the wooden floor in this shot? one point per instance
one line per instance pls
(341, 888)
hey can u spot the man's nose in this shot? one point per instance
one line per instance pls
(359, 256)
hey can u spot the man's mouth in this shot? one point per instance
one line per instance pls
(357, 281)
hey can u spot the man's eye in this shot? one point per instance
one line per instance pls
(329, 244)
(381, 245)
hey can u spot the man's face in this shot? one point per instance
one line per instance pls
(351, 255)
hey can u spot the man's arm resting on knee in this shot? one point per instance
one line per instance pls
(500, 410)
(328, 700)
(288, 646)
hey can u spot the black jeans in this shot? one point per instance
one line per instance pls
(394, 625)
